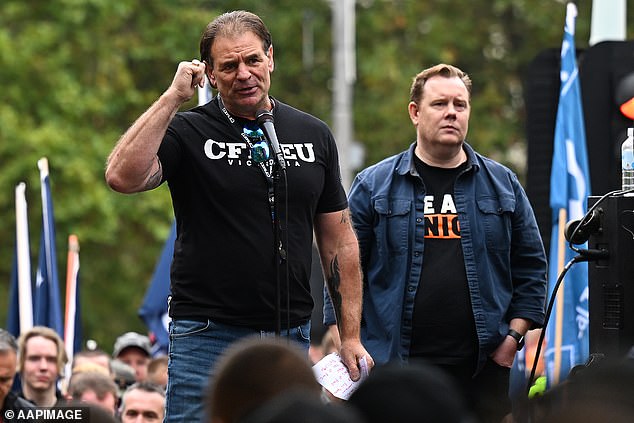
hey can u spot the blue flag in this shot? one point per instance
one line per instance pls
(567, 338)
(13, 317)
(47, 310)
(153, 311)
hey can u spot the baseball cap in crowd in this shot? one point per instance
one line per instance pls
(132, 339)
(123, 375)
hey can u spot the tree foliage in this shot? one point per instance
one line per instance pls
(77, 73)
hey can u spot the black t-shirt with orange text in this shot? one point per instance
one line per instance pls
(443, 324)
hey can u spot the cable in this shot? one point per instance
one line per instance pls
(286, 261)
(281, 250)
(549, 310)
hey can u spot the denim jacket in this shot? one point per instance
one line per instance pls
(503, 252)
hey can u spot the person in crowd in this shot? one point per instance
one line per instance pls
(41, 364)
(255, 370)
(124, 375)
(88, 359)
(95, 413)
(224, 174)
(157, 370)
(413, 392)
(10, 402)
(454, 265)
(294, 406)
(135, 350)
(95, 388)
(143, 402)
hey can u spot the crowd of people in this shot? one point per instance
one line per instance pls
(117, 388)
(271, 380)
(433, 264)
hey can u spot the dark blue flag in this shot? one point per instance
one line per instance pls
(47, 309)
(13, 318)
(153, 311)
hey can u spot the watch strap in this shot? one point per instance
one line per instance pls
(518, 337)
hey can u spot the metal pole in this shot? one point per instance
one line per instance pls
(344, 75)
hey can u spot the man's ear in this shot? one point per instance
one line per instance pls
(412, 109)
(211, 77)
(270, 56)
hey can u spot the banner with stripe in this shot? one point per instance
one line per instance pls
(567, 337)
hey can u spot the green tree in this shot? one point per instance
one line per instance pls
(76, 73)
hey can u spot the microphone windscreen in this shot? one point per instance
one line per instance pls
(263, 116)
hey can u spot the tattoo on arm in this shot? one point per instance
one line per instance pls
(345, 218)
(334, 282)
(155, 179)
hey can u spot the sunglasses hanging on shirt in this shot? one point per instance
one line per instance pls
(259, 147)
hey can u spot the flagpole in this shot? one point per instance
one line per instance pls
(72, 270)
(25, 294)
(559, 323)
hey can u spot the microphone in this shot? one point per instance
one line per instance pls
(264, 118)
(579, 231)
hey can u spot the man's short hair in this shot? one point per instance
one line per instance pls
(7, 342)
(442, 69)
(254, 370)
(394, 392)
(97, 382)
(49, 334)
(144, 386)
(91, 354)
(231, 24)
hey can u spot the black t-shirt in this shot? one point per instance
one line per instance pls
(223, 266)
(443, 323)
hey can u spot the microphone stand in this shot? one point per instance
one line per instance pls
(264, 119)
(280, 247)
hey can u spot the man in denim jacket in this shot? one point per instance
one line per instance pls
(454, 265)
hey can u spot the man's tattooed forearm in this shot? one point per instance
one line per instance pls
(334, 282)
(155, 179)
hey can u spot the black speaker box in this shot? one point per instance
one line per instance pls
(611, 281)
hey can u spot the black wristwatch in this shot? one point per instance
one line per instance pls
(518, 337)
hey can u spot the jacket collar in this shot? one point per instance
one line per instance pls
(407, 162)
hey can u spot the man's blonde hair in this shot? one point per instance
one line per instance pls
(47, 333)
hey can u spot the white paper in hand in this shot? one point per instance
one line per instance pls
(333, 375)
